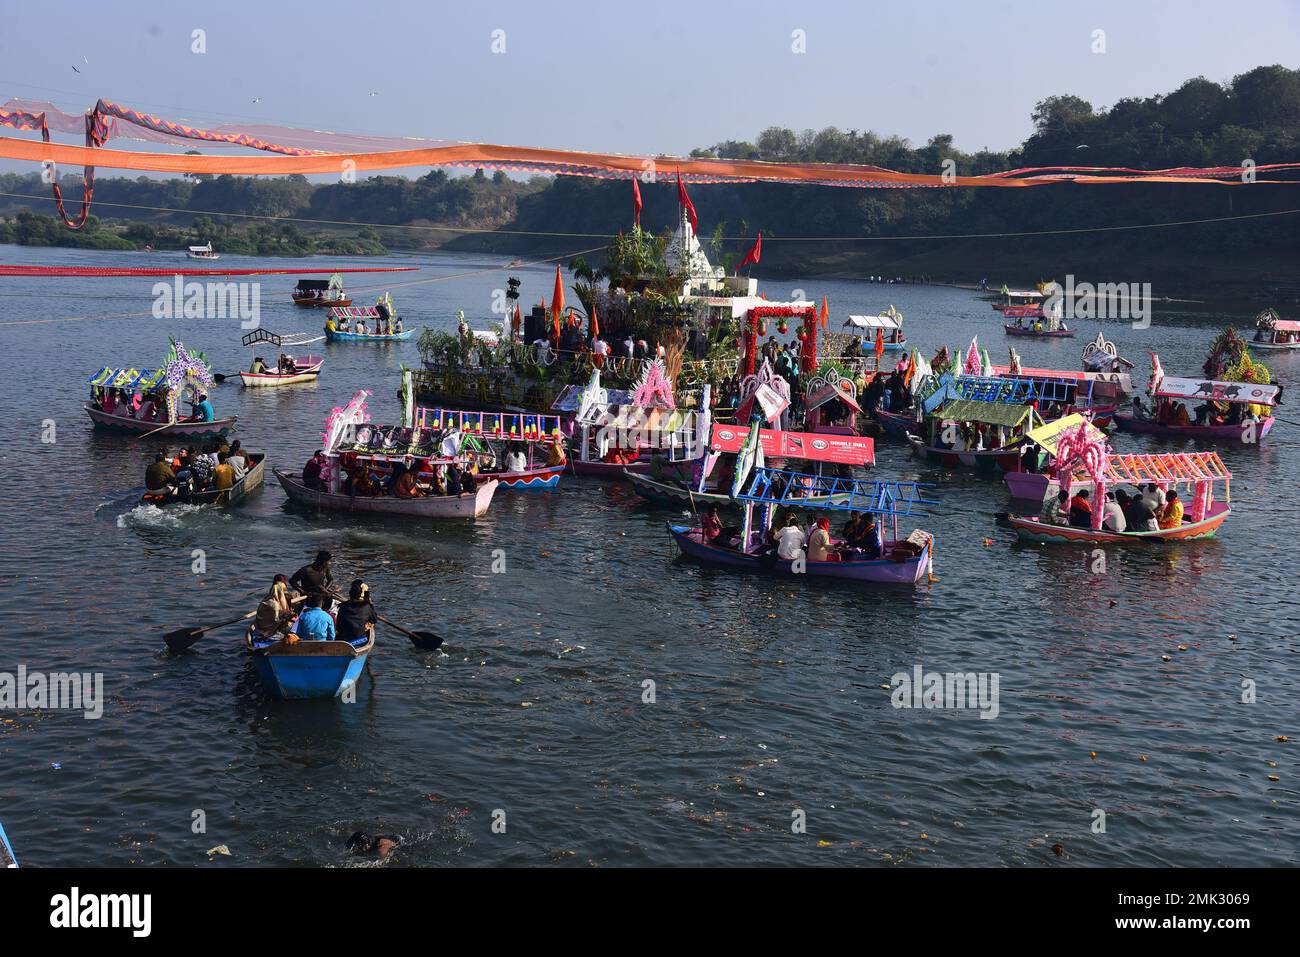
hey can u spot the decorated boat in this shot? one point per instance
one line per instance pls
(1080, 451)
(1099, 390)
(1249, 404)
(886, 328)
(1274, 332)
(490, 437)
(308, 669)
(162, 389)
(1024, 302)
(289, 369)
(977, 422)
(251, 481)
(709, 485)
(7, 857)
(321, 292)
(902, 561)
(354, 445)
(202, 252)
(616, 431)
(1038, 484)
(348, 323)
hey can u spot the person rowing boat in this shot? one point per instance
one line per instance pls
(314, 579)
(356, 617)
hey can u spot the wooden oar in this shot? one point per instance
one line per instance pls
(183, 638)
(160, 428)
(421, 639)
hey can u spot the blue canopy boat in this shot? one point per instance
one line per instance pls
(7, 858)
(333, 335)
(308, 669)
(901, 561)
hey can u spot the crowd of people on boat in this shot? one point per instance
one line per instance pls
(305, 607)
(286, 365)
(217, 467)
(385, 324)
(151, 406)
(1142, 510)
(788, 540)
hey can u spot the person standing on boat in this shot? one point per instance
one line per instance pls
(316, 578)
(356, 616)
(315, 623)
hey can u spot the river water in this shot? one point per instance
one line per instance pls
(768, 703)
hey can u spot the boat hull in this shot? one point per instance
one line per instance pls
(1276, 346)
(1033, 530)
(529, 480)
(307, 371)
(308, 669)
(608, 470)
(1222, 433)
(430, 506)
(989, 463)
(176, 430)
(1013, 330)
(324, 304)
(7, 857)
(333, 335)
(897, 424)
(877, 570)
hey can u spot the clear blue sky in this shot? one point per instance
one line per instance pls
(663, 76)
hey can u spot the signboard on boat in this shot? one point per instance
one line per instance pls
(813, 446)
(1176, 387)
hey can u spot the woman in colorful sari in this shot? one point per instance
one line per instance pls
(1171, 516)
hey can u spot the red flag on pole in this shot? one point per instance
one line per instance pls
(825, 319)
(516, 322)
(686, 202)
(595, 323)
(754, 253)
(557, 302)
(636, 198)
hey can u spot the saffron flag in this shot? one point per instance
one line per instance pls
(636, 199)
(880, 345)
(754, 253)
(595, 323)
(516, 322)
(557, 301)
(825, 318)
(687, 204)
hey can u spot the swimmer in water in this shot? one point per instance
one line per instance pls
(363, 845)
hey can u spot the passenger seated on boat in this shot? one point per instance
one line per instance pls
(275, 611)
(1154, 497)
(468, 484)
(237, 459)
(311, 471)
(1171, 516)
(356, 616)
(361, 326)
(1180, 417)
(1140, 517)
(315, 623)
(120, 406)
(159, 475)
(258, 367)
(145, 412)
(200, 468)
(316, 578)
(364, 484)
(406, 486)
(397, 325)
(789, 540)
(711, 527)
(1112, 515)
(516, 461)
(223, 476)
(1057, 510)
(555, 454)
(1081, 510)
(819, 542)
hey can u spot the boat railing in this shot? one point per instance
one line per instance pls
(783, 487)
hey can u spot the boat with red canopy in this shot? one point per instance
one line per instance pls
(1274, 332)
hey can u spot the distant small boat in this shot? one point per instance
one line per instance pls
(333, 335)
(1014, 330)
(202, 252)
(306, 369)
(7, 858)
(308, 669)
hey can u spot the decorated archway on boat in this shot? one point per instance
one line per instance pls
(184, 370)
(1083, 449)
(829, 385)
(756, 328)
(768, 388)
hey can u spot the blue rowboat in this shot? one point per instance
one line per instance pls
(333, 335)
(7, 858)
(308, 669)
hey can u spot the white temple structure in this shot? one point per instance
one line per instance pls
(703, 280)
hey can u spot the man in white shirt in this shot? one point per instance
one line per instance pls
(1154, 497)
(516, 461)
(790, 541)
(1112, 516)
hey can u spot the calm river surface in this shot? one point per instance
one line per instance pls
(769, 695)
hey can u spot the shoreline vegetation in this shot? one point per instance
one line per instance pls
(1246, 251)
